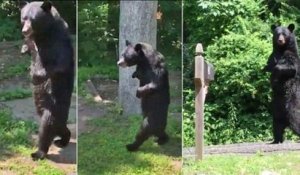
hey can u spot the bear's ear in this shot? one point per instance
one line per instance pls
(138, 47)
(46, 6)
(291, 27)
(128, 43)
(273, 27)
(22, 4)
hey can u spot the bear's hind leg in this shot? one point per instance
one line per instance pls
(65, 136)
(142, 136)
(278, 130)
(46, 135)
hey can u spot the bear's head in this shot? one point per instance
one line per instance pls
(283, 36)
(131, 55)
(37, 17)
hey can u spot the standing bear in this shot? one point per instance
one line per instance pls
(284, 65)
(52, 72)
(153, 91)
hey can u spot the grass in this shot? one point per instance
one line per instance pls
(15, 94)
(24, 166)
(287, 163)
(109, 71)
(17, 69)
(16, 146)
(13, 133)
(106, 153)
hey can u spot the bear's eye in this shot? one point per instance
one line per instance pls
(24, 18)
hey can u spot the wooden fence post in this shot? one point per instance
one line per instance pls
(204, 73)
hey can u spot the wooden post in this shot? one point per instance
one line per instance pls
(204, 73)
(199, 101)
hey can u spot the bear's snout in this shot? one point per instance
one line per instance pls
(122, 62)
(27, 29)
(281, 40)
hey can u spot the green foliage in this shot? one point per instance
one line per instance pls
(94, 34)
(169, 33)
(86, 73)
(9, 30)
(238, 44)
(44, 168)
(13, 133)
(9, 21)
(209, 19)
(10, 69)
(17, 143)
(188, 113)
(245, 164)
(14, 94)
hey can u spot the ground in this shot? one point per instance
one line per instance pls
(280, 163)
(15, 97)
(106, 131)
(245, 158)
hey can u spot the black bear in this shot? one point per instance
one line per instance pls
(52, 72)
(284, 65)
(153, 91)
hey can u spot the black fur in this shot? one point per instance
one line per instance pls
(285, 81)
(52, 72)
(153, 91)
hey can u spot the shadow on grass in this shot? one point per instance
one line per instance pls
(172, 148)
(102, 150)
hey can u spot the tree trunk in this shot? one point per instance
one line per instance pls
(137, 24)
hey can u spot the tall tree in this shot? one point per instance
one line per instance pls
(137, 24)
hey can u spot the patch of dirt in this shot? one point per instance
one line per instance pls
(245, 148)
(108, 89)
(177, 165)
(87, 111)
(16, 82)
(10, 51)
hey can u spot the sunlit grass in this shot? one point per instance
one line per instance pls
(286, 163)
(102, 150)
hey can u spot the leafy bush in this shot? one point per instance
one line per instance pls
(237, 105)
(9, 21)
(94, 34)
(209, 19)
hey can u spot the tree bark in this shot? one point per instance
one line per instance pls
(137, 24)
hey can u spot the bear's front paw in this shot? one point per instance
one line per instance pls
(139, 93)
(40, 72)
(132, 147)
(38, 155)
